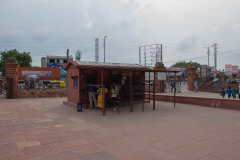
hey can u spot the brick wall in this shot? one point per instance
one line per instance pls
(38, 93)
(216, 87)
(73, 93)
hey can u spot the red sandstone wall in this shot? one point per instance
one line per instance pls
(216, 87)
(208, 102)
(55, 73)
(38, 93)
(73, 93)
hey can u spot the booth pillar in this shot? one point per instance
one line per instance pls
(191, 73)
(11, 78)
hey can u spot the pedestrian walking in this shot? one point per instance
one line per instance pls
(173, 84)
(196, 85)
(229, 91)
(223, 93)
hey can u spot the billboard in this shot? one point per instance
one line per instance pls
(38, 73)
(203, 70)
(55, 65)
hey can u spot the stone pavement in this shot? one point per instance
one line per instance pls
(185, 92)
(45, 129)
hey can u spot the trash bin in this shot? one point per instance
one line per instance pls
(79, 107)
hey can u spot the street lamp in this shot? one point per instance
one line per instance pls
(104, 44)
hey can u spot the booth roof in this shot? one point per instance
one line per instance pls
(106, 65)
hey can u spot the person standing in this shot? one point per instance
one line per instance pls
(173, 84)
(1, 86)
(92, 97)
(239, 91)
(4, 87)
(196, 85)
(229, 91)
(223, 93)
(234, 93)
(114, 96)
(101, 95)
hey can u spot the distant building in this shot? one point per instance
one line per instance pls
(54, 61)
(231, 68)
(181, 71)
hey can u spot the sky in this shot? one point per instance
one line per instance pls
(184, 28)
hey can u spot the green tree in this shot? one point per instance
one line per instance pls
(185, 64)
(24, 59)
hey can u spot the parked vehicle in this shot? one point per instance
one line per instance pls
(216, 80)
(57, 84)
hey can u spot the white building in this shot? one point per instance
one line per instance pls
(52, 61)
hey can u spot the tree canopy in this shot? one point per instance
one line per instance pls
(185, 64)
(24, 59)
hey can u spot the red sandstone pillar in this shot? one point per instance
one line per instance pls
(11, 77)
(191, 73)
(159, 83)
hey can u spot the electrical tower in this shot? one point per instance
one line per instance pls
(215, 56)
(150, 54)
(96, 50)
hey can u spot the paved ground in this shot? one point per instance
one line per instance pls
(46, 129)
(185, 92)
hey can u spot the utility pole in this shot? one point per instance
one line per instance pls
(145, 55)
(215, 56)
(104, 44)
(67, 55)
(161, 53)
(208, 53)
(96, 50)
(140, 55)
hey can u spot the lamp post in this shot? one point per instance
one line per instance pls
(104, 44)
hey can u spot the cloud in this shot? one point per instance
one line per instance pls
(51, 26)
(236, 27)
(187, 42)
(215, 28)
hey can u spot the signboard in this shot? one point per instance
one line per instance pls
(161, 76)
(203, 70)
(38, 73)
(55, 65)
(151, 76)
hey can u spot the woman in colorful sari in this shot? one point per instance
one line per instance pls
(100, 97)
